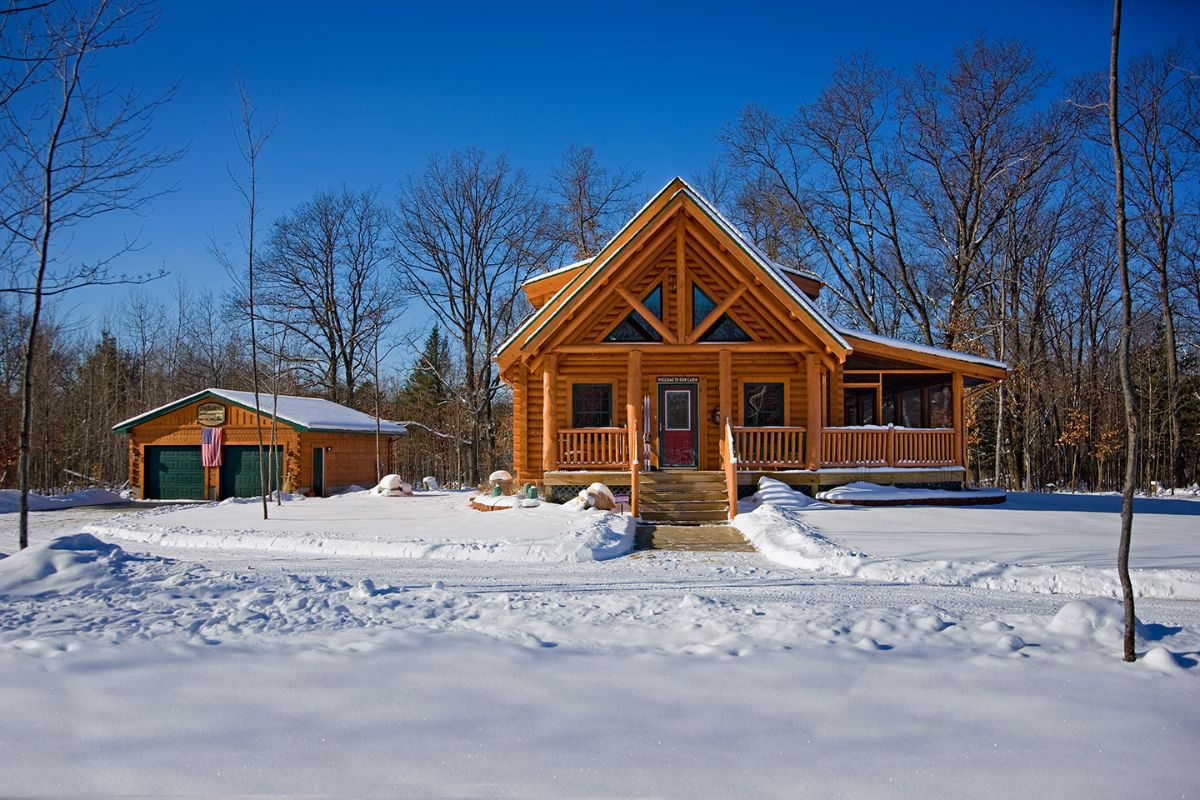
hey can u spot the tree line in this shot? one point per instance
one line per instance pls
(965, 206)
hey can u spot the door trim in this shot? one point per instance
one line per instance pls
(692, 388)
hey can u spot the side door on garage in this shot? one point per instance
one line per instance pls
(239, 470)
(173, 472)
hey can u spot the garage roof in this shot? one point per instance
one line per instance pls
(302, 413)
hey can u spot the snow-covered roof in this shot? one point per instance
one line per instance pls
(302, 413)
(922, 348)
(559, 270)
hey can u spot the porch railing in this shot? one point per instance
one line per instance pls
(925, 447)
(769, 448)
(888, 447)
(593, 447)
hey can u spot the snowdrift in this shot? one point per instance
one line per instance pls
(11, 498)
(784, 536)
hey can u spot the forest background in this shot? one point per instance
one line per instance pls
(964, 204)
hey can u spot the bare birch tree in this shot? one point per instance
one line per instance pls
(74, 150)
(1127, 388)
(250, 135)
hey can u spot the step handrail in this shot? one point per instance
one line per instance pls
(729, 462)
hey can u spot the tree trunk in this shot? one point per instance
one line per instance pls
(1127, 388)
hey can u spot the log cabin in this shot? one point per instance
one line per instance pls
(323, 447)
(680, 365)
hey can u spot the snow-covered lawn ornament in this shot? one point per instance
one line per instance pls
(430, 483)
(501, 479)
(596, 496)
(392, 486)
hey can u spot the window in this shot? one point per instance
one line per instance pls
(724, 329)
(763, 405)
(591, 405)
(860, 405)
(635, 328)
(940, 414)
(913, 401)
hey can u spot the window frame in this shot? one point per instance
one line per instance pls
(575, 412)
(747, 381)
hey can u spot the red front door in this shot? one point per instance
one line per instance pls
(677, 425)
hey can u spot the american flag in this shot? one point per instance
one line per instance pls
(210, 447)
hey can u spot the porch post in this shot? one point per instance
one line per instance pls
(725, 391)
(815, 406)
(633, 407)
(958, 410)
(549, 416)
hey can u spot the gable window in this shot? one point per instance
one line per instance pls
(763, 405)
(635, 328)
(724, 329)
(591, 405)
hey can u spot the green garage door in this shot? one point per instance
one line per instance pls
(239, 470)
(174, 473)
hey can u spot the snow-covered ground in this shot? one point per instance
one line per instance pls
(1059, 544)
(148, 668)
(426, 525)
(1032, 528)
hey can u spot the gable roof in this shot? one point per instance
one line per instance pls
(677, 190)
(302, 413)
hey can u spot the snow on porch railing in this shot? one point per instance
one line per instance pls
(593, 447)
(769, 448)
(872, 446)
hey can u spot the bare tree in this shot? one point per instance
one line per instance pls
(325, 283)
(1158, 127)
(1127, 387)
(590, 201)
(469, 232)
(251, 136)
(74, 151)
(976, 145)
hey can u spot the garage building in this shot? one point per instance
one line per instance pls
(323, 446)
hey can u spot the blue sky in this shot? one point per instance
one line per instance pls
(370, 90)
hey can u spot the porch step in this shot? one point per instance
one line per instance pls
(686, 497)
(685, 517)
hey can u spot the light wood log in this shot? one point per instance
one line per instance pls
(549, 419)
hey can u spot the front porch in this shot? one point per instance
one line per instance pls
(926, 457)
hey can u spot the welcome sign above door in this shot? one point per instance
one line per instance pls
(677, 379)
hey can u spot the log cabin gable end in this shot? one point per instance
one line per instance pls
(680, 243)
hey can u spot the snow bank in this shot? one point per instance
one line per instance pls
(864, 491)
(505, 501)
(11, 498)
(60, 566)
(783, 536)
(432, 525)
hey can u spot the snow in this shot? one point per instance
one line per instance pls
(1057, 550)
(1029, 528)
(865, 491)
(150, 669)
(505, 501)
(10, 500)
(312, 413)
(360, 524)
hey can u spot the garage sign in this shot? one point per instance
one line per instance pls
(210, 415)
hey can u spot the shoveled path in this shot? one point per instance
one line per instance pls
(694, 538)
